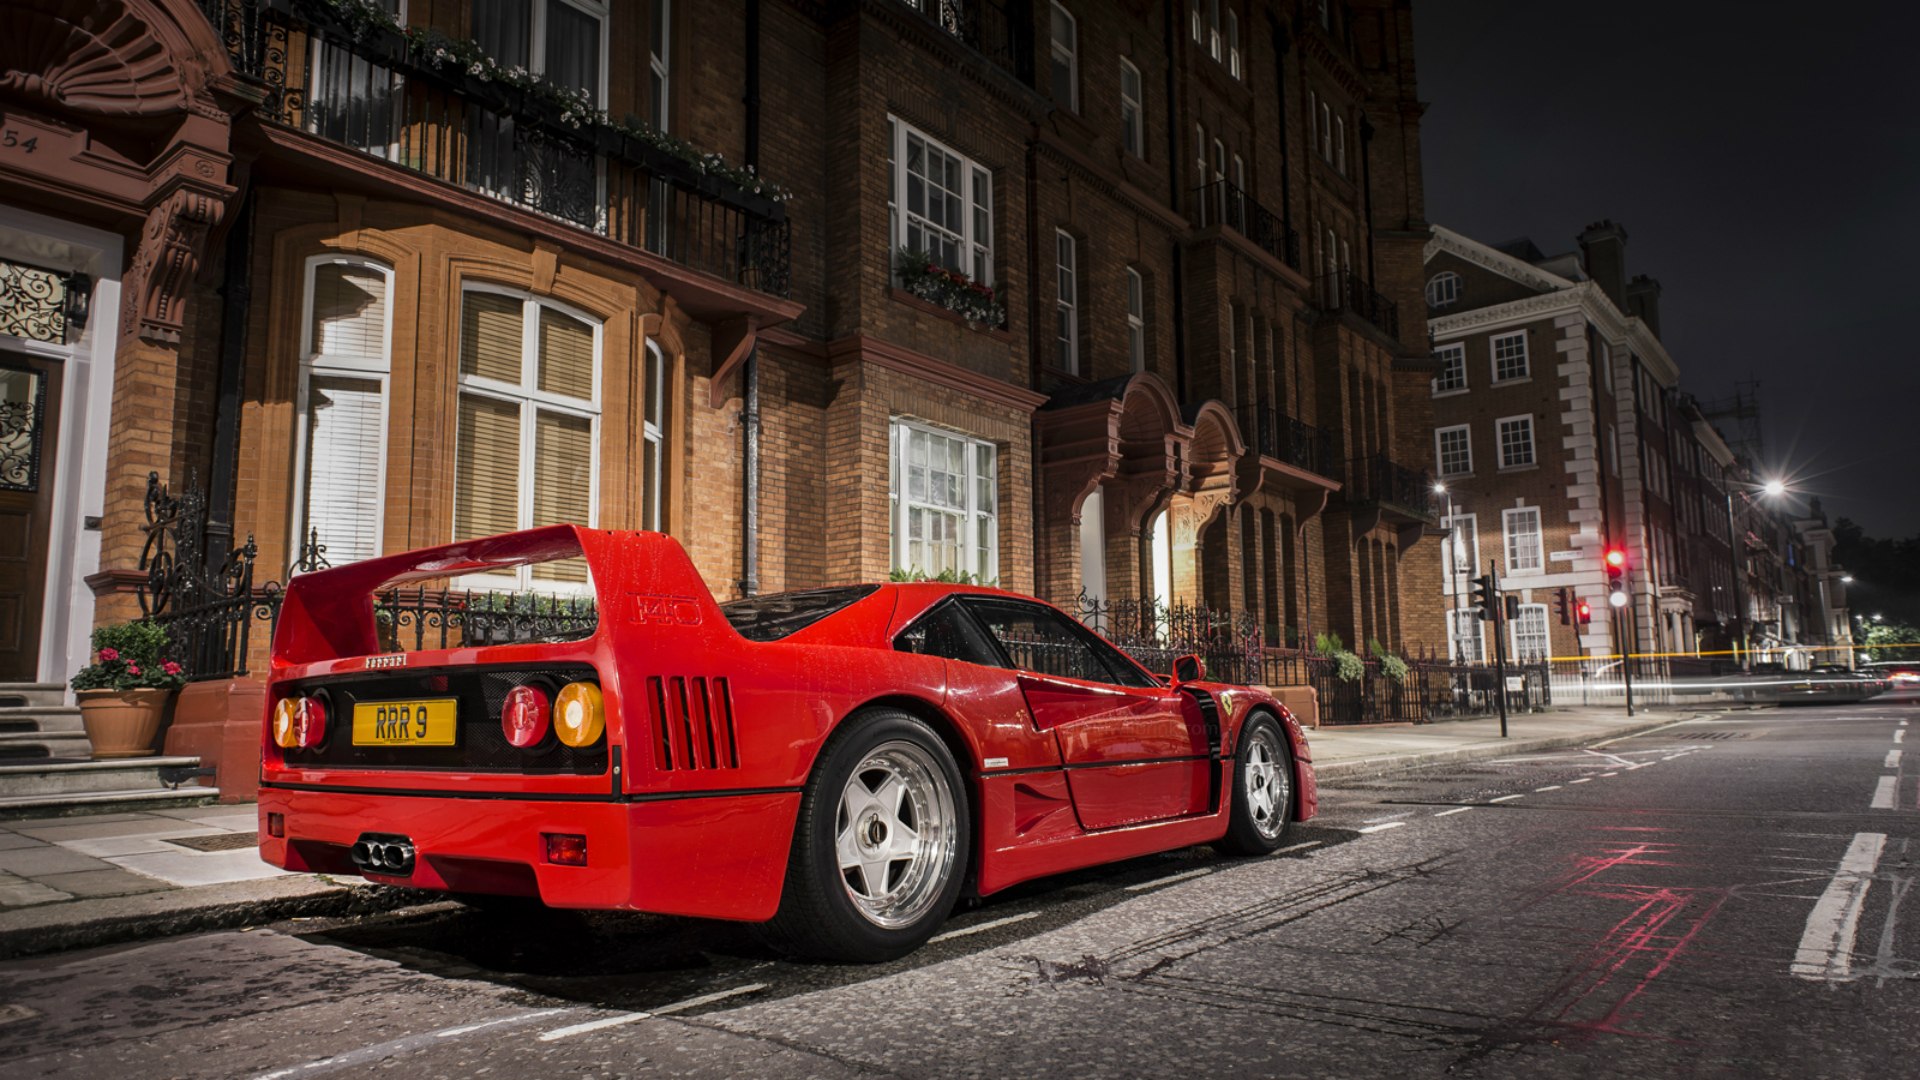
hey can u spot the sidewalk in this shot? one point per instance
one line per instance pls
(93, 879)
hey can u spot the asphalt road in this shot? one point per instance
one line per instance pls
(1718, 898)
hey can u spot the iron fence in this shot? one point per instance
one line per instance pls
(358, 83)
(413, 619)
(1348, 291)
(1222, 203)
(1378, 478)
(1287, 439)
(1156, 634)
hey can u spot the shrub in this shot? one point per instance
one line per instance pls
(130, 656)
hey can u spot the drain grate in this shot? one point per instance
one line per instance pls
(232, 841)
(1699, 736)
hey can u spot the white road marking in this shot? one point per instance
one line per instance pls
(1899, 736)
(1455, 810)
(1141, 887)
(1300, 847)
(1549, 787)
(1826, 948)
(1022, 917)
(1884, 792)
(1504, 798)
(367, 1055)
(664, 1010)
(1387, 817)
(1893, 759)
(1605, 774)
(1386, 825)
(1582, 780)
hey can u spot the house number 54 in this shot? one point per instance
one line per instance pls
(11, 138)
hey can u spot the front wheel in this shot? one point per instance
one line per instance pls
(880, 847)
(1262, 790)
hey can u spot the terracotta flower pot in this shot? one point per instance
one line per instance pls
(122, 723)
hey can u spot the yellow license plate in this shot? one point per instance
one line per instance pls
(405, 723)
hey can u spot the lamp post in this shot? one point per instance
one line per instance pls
(1459, 572)
(1772, 489)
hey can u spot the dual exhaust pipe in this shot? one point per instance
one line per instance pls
(392, 856)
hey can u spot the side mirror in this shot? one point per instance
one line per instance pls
(1189, 668)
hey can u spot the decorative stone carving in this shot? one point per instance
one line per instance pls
(166, 262)
(101, 58)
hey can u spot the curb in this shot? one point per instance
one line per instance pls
(79, 924)
(1368, 768)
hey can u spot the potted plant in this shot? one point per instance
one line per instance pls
(123, 694)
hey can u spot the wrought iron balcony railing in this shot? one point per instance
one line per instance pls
(1280, 436)
(1347, 291)
(1000, 30)
(1378, 478)
(1221, 203)
(365, 85)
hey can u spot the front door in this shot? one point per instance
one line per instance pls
(1135, 750)
(29, 421)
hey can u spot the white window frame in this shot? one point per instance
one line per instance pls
(1443, 289)
(1133, 110)
(1213, 29)
(1233, 44)
(1066, 301)
(396, 82)
(1530, 615)
(1326, 131)
(653, 430)
(1453, 369)
(372, 369)
(1198, 37)
(660, 63)
(1500, 442)
(1513, 531)
(1463, 530)
(979, 249)
(983, 565)
(1058, 50)
(1496, 343)
(1440, 448)
(532, 401)
(537, 39)
(1475, 632)
(1136, 320)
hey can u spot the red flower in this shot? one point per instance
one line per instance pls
(108, 655)
(133, 669)
(170, 668)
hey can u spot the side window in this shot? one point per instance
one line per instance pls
(948, 632)
(1042, 640)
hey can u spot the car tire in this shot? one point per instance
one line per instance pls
(1262, 797)
(880, 847)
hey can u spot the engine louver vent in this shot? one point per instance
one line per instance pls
(693, 722)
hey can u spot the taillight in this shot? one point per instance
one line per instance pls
(299, 722)
(524, 716)
(578, 715)
(566, 849)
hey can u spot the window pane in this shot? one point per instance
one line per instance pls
(344, 437)
(490, 337)
(349, 311)
(562, 483)
(502, 28)
(486, 496)
(566, 355)
(655, 388)
(573, 48)
(651, 480)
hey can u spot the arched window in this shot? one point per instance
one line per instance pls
(1443, 289)
(345, 361)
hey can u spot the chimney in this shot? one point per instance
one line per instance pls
(1643, 300)
(1603, 247)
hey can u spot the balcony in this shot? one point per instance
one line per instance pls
(1001, 30)
(1347, 291)
(402, 97)
(1274, 434)
(1404, 493)
(1221, 203)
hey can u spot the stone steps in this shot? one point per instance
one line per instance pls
(67, 785)
(27, 695)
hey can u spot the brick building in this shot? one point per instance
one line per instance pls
(386, 273)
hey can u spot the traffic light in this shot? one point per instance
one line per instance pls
(1583, 612)
(1616, 559)
(1512, 605)
(1562, 606)
(1483, 596)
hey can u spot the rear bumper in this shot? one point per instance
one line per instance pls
(720, 856)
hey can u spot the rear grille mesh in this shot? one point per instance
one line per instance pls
(692, 722)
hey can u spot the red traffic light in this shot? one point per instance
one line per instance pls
(1583, 612)
(1616, 557)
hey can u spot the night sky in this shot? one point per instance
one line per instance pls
(1768, 173)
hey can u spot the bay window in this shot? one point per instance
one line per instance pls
(945, 507)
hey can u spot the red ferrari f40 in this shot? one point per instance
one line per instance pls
(836, 764)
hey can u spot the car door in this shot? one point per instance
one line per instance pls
(1135, 751)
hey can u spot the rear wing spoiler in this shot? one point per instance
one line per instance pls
(638, 578)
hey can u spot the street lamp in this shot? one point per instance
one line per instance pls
(1846, 579)
(1772, 489)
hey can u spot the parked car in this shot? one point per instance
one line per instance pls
(1898, 674)
(836, 764)
(1822, 684)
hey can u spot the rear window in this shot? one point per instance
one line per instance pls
(770, 618)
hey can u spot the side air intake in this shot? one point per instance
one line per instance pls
(692, 722)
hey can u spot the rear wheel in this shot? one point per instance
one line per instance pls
(880, 847)
(1262, 790)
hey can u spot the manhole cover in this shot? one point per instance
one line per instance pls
(232, 841)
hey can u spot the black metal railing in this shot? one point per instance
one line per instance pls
(1428, 690)
(39, 304)
(1282, 437)
(413, 619)
(1221, 203)
(1000, 30)
(1379, 479)
(1157, 634)
(207, 606)
(361, 84)
(1348, 291)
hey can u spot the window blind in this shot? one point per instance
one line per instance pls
(487, 468)
(344, 436)
(490, 328)
(562, 482)
(566, 355)
(349, 311)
